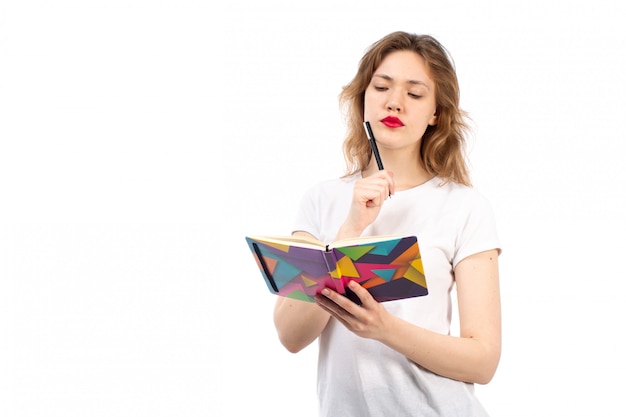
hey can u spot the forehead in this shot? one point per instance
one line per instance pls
(404, 66)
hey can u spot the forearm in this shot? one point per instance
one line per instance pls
(298, 323)
(462, 358)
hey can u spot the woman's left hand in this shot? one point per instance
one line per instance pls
(370, 319)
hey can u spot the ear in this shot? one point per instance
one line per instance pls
(433, 120)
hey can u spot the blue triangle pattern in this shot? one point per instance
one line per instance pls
(385, 274)
(385, 248)
(284, 272)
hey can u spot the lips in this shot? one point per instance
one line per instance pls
(392, 122)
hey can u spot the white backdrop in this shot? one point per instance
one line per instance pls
(140, 141)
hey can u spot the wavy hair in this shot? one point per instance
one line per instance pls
(442, 150)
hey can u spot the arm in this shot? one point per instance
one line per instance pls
(471, 357)
(298, 323)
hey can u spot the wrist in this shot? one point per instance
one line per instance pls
(347, 231)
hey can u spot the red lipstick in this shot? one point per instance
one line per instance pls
(392, 122)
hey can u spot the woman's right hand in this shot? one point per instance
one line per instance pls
(367, 199)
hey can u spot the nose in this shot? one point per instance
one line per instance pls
(393, 107)
(393, 103)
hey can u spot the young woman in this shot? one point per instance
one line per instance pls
(398, 358)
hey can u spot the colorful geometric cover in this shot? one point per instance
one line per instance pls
(388, 269)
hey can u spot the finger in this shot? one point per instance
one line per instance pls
(388, 180)
(375, 194)
(343, 303)
(325, 301)
(339, 315)
(325, 304)
(333, 308)
(372, 190)
(364, 295)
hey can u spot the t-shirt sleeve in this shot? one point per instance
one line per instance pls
(478, 232)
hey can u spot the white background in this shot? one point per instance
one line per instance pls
(140, 141)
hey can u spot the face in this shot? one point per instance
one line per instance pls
(400, 100)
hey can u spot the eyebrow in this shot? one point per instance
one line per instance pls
(412, 82)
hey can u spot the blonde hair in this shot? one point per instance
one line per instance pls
(442, 150)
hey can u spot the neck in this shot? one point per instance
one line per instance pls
(408, 171)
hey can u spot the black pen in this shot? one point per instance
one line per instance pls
(372, 141)
(370, 137)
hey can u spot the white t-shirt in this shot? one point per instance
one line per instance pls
(362, 377)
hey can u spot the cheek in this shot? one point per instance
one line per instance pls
(372, 101)
(368, 105)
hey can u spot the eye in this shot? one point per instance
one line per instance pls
(380, 88)
(415, 96)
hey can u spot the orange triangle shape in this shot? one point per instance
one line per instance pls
(270, 263)
(408, 255)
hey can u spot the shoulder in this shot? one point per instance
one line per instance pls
(461, 194)
(458, 201)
